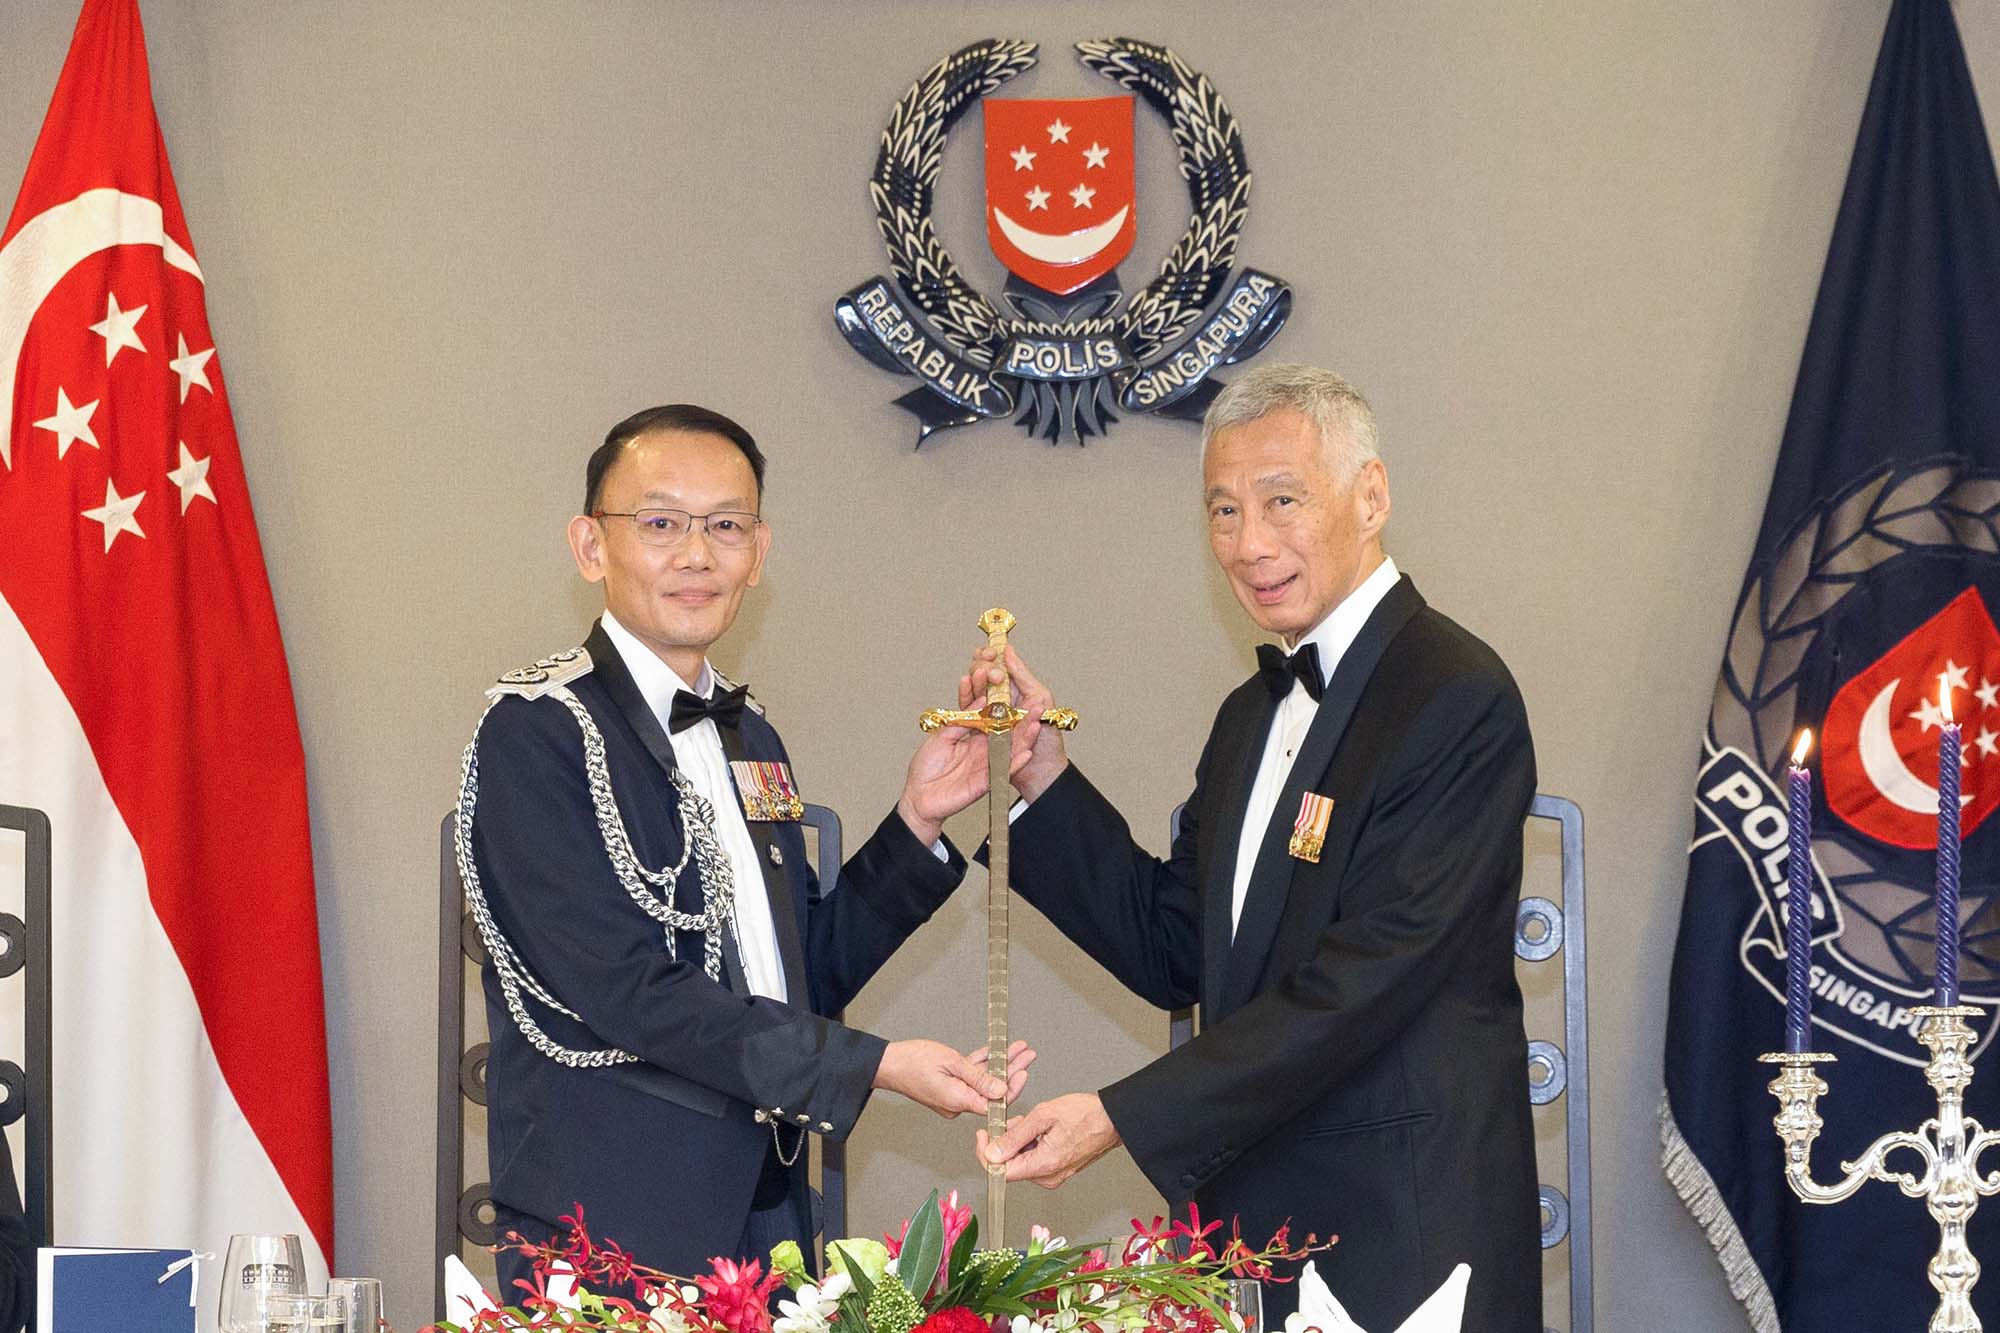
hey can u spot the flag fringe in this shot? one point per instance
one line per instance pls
(1692, 1182)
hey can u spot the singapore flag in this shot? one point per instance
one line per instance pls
(145, 705)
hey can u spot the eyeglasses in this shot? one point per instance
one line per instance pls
(670, 527)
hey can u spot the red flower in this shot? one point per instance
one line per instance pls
(957, 1319)
(956, 1219)
(739, 1295)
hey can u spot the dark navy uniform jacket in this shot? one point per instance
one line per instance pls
(665, 1155)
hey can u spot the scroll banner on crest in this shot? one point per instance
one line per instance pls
(1870, 592)
(880, 324)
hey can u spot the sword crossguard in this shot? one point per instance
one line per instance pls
(999, 716)
(935, 719)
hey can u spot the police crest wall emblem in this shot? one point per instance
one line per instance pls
(1061, 214)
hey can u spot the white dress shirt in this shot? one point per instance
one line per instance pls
(1332, 636)
(698, 751)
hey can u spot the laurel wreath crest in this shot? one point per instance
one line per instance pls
(1211, 161)
(1936, 507)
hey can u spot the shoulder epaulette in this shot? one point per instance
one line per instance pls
(532, 682)
(723, 682)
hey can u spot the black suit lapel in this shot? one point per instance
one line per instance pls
(608, 666)
(784, 917)
(1249, 724)
(1271, 877)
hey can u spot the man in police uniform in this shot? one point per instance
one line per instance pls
(663, 956)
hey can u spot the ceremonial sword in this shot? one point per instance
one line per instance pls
(996, 719)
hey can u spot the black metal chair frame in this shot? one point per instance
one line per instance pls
(27, 945)
(1564, 1215)
(461, 1070)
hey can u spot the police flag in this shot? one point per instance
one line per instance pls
(1875, 573)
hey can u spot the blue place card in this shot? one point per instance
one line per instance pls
(91, 1291)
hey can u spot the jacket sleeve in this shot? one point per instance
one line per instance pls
(551, 887)
(1073, 856)
(889, 887)
(1430, 864)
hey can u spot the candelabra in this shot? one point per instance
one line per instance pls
(1949, 1144)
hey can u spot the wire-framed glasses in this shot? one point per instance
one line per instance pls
(670, 527)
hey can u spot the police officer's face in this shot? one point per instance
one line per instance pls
(678, 599)
(1293, 537)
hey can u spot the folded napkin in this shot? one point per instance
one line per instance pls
(1442, 1312)
(464, 1297)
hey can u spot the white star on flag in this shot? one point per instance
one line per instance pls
(1082, 195)
(1954, 675)
(1037, 198)
(192, 367)
(1988, 741)
(1024, 158)
(1929, 714)
(1988, 694)
(192, 477)
(1094, 155)
(1058, 132)
(70, 423)
(118, 328)
(116, 514)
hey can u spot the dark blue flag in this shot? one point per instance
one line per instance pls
(1870, 597)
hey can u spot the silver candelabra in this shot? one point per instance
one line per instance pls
(1949, 1145)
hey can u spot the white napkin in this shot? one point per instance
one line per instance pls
(1442, 1312)
(463, 1296)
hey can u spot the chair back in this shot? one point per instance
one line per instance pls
(25, 950)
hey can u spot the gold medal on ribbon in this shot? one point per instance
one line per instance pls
(767, 790)
(1309, 829)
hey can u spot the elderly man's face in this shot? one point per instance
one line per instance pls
(1293, 539)
(677, 599)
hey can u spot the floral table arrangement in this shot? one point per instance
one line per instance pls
(931, 1278)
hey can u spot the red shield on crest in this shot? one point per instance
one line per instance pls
(1880, 747)
(1060, 187)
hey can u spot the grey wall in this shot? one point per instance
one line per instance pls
(1569, 250)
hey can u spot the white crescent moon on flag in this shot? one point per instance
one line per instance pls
(44, 251)
(1885, 767)
(1072, 248)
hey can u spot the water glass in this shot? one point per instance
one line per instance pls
(1246, 1304)
(293, 1312)
(364, 1302)
(256, 1268)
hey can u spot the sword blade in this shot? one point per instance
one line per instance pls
(999, 748)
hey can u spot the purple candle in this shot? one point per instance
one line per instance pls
(1947, 853)
(1798, 906)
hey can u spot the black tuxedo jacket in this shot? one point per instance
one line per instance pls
(1362, 1067)
(665, 1155)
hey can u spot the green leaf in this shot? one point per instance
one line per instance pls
(863, 1287)
(923, 1248)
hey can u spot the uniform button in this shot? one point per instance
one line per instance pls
(826, 1127)
(762, 1116)
(803, 1117)
(777, 1110)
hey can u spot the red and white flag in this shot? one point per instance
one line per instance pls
(145, 704)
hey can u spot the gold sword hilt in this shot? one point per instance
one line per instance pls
(999, 716)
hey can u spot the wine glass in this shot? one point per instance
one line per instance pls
(1246, 1304)
(254, 1269)
(295, 1312)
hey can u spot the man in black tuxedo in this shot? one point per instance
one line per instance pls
(663, 957)
(1340, 900)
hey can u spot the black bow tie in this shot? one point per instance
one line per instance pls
(725, 709)
(1278, 671)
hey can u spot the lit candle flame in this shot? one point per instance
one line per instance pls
(1944, 695)
(1800, 750)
